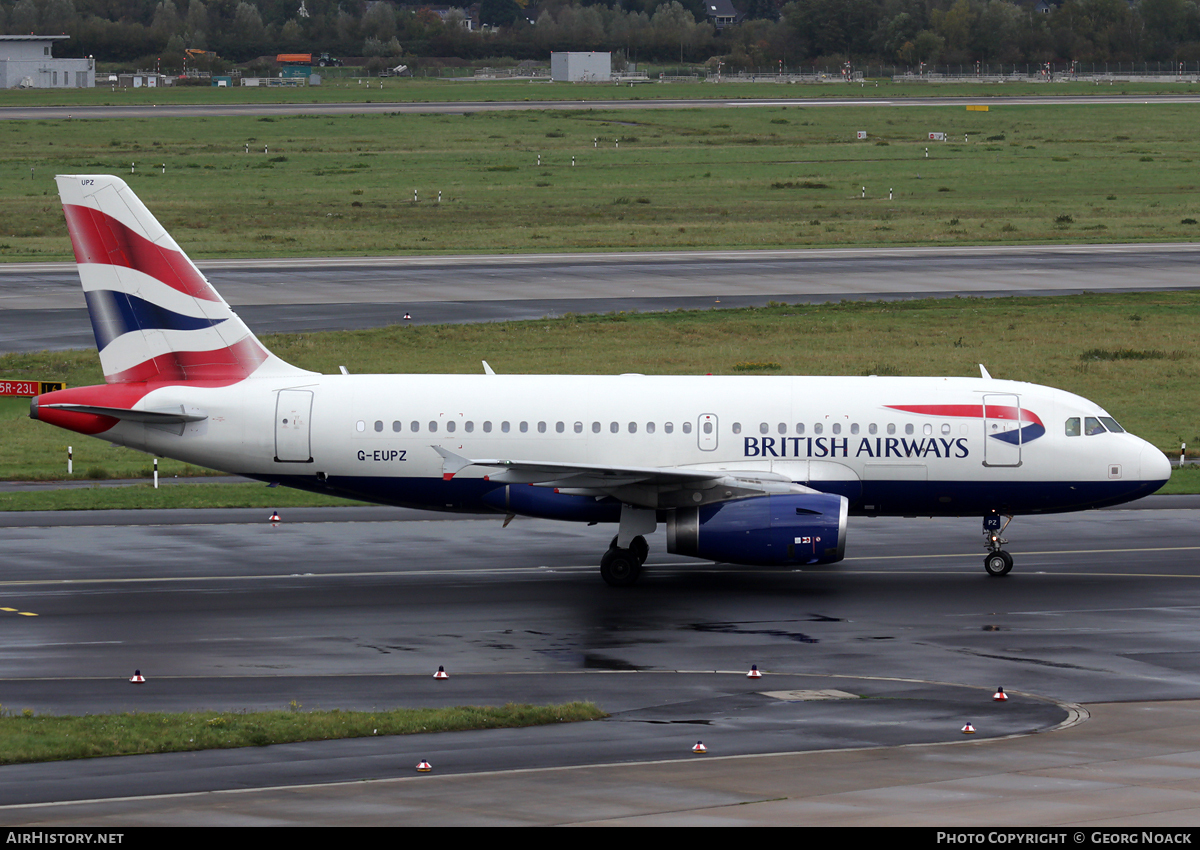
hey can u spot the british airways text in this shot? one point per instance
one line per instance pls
(867, 447)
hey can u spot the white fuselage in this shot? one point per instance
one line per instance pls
(900, 446)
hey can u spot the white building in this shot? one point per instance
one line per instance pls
(581, 67)
(26, 62)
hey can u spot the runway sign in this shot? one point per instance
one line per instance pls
(29, 388)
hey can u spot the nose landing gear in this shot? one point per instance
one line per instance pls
(997, 562)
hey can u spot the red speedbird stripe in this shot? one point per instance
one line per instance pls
(975, 411)
(99, 238)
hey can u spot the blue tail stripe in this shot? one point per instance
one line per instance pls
(117, 313)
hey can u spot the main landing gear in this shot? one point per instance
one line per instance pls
(997, 562)
(621, 567)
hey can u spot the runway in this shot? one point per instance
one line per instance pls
(849, 95)
(42, 305)
(355, 608)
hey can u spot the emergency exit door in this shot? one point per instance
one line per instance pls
(292, 438)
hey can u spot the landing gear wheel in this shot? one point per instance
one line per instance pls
(998, 563)
(620, 568)
(638, 548)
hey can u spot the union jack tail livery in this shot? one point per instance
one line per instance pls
(155, 317)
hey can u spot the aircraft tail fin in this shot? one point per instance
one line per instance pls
(155, 316)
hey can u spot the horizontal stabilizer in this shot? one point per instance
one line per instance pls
(150, 417)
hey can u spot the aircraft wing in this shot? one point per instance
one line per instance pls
(658, 487)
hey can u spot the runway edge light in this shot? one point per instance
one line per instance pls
(1000, 696)
(137, 678)
(754, 674)
(968, 729)
(700, 749)
(424, 766)
(441, 673)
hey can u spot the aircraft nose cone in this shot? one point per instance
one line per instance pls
(1155, 466)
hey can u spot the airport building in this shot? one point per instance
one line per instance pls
(581, 67)
(26, 61)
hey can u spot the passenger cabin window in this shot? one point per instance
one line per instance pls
(687, 427)
(1073, 426)
(737, 427)
(396, 427)
(668, 427)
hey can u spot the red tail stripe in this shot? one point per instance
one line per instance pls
(99, 238)
(219, 368)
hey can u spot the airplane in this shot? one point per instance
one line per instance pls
(744, 470)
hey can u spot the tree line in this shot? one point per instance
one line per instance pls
(799, 33)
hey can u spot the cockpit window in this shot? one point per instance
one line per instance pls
(1073, 427)
(1111, 424)
(1091, 425)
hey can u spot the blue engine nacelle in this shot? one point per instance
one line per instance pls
(763, 530)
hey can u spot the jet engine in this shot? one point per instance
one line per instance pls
(774, 530)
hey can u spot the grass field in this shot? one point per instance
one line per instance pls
(1132, 353)
(764, 177)
(29, 737)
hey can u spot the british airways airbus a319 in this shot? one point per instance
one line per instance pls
(741, 470)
